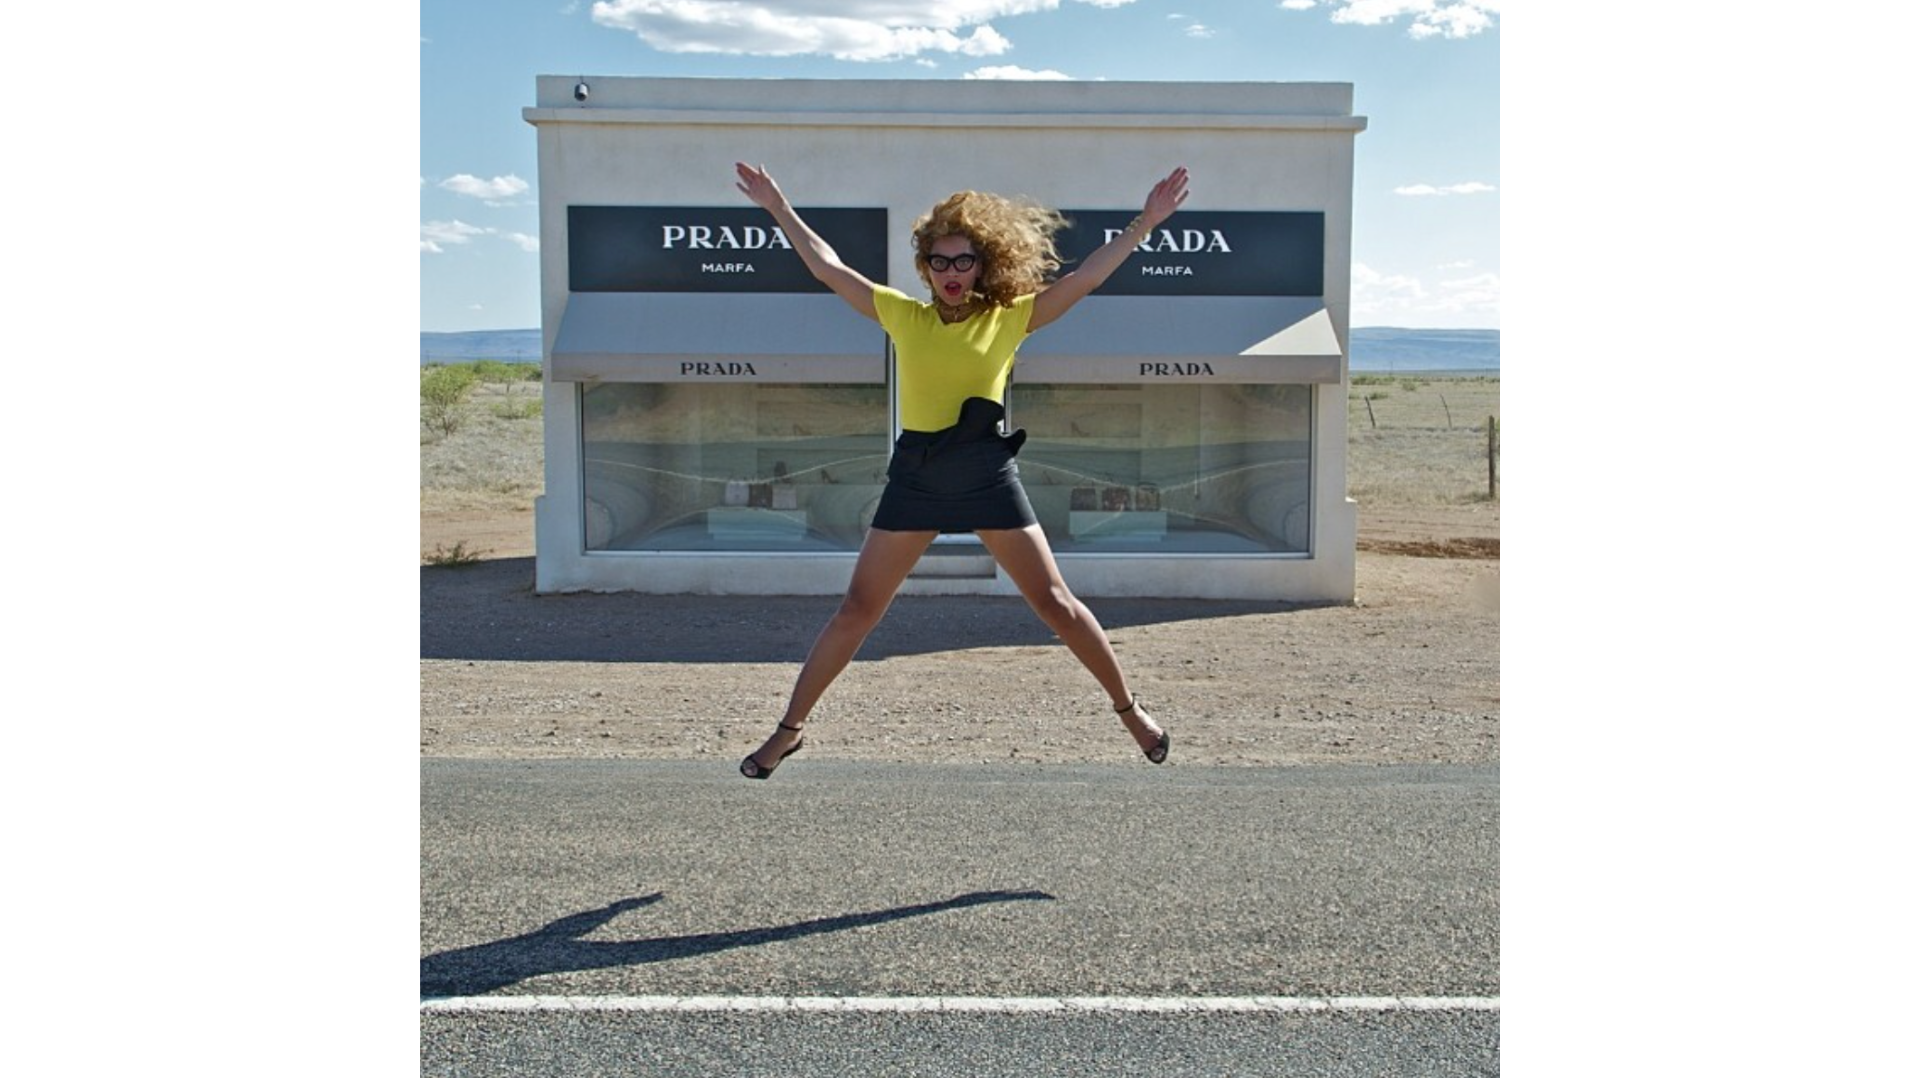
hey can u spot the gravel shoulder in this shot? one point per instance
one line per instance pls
(1407, 674)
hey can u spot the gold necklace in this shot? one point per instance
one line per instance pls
(949, 318)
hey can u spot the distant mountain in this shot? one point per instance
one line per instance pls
(506, 345)
(1385, 348)
(1375, 348)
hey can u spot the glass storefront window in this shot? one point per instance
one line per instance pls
(732, 466)
(1201, 468)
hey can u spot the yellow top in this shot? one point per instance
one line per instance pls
(942, 365)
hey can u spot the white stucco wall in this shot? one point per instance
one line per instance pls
(903, 145)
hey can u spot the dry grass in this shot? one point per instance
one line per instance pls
(1424, 445)
(494, 459)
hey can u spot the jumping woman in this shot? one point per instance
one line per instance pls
(986, 259)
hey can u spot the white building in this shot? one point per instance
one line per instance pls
(718, 422)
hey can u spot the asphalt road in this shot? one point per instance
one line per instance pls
(614, 880)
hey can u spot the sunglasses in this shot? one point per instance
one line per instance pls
(941, 263)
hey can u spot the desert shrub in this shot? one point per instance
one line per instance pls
(494, 371)
(443, 394)
(518, 409)
(458, 556)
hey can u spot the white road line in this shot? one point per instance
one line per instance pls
(955, 1004)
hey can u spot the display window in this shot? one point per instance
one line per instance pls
(743, 466)
(1200, 468)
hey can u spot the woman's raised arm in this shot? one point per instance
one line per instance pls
(1059, 297)
(818, 254)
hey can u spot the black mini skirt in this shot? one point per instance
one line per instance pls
(960, 479)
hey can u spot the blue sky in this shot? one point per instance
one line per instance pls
(1426, 75)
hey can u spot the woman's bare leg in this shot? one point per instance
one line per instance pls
(885, 560)
(1028, 560)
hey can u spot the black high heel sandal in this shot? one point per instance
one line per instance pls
(753, 770)
(1158, 753)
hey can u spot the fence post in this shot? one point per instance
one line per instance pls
(1493, 455)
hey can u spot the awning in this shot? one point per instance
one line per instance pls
(1244, 339)
(713, 337)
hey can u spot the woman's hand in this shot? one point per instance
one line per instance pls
(1166, 197)
(759, 187)
(821, 259)
(1059, 297)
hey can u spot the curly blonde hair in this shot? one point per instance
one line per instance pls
(1014, 238)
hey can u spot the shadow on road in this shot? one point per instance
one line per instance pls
(488, 611)
(558, 948)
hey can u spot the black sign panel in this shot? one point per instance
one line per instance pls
(1208, 252)
(711, 249)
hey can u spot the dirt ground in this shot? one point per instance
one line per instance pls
(1410, 673)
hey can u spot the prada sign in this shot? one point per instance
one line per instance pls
(1208, 253)
(710, 249)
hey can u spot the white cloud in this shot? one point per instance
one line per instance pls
(437, 236)
(1430, 18)
(1470, 188)
(451, 233)
(1467, 295)
(1297, 5)
(498, 189)
(1455, 20)
(1012, 73)
(1374, 292)
(1381, 299)
(842, 29)
(1200, 30)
